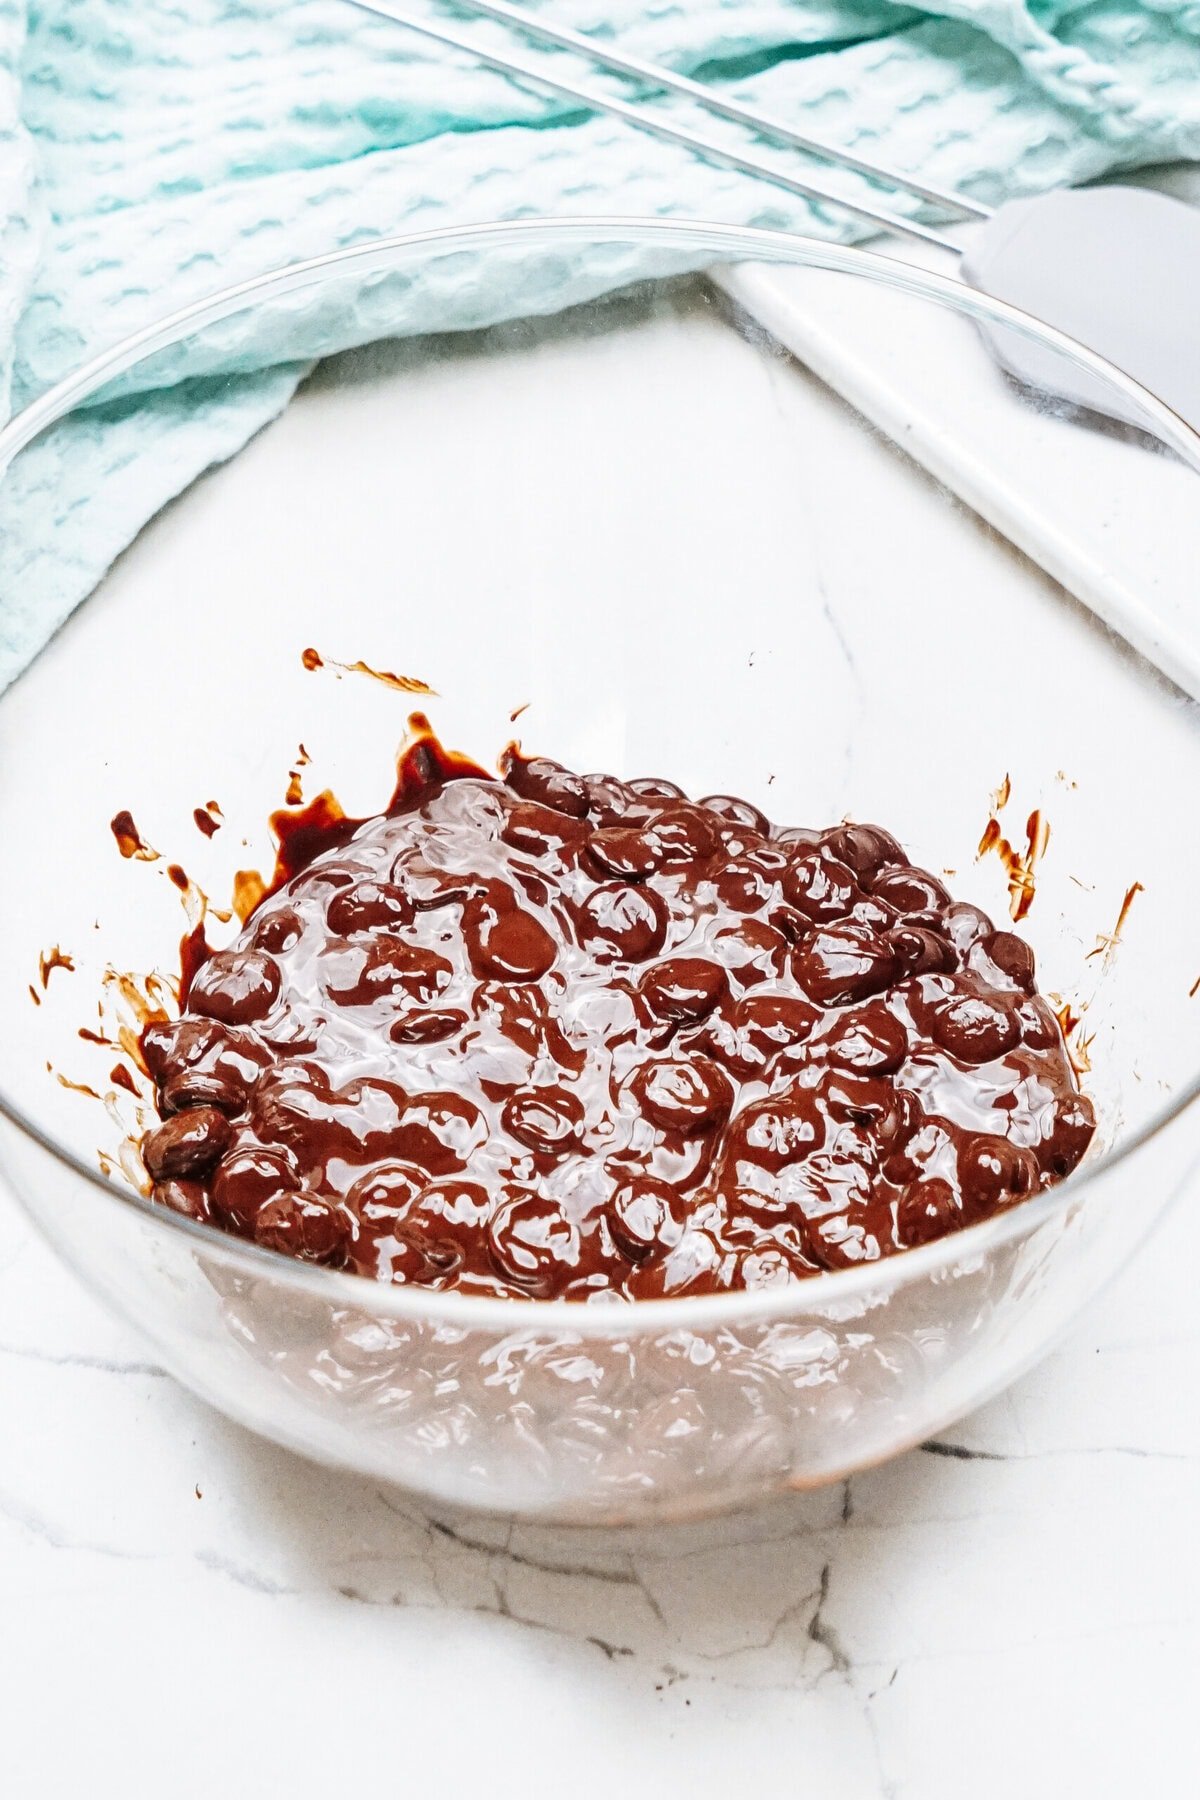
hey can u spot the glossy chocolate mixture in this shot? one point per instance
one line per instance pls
(569, 1035)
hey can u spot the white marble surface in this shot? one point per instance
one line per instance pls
(1013, 1610)
(1016, 1610)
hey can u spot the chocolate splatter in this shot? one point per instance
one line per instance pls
(401, 684)
(49, 960)
(1020, 865)
(130, 842)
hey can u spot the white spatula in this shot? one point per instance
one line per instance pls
(1118, 268)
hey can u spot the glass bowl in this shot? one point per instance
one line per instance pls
(647, 526)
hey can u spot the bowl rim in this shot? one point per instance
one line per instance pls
(823, 1292)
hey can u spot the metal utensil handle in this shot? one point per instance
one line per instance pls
(624, 63)
(649, 122)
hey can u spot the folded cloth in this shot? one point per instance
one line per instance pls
(152, 153)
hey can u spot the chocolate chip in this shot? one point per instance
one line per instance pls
(532, 1241)
(277, 929)
(444, 1228)
(302, 1225)
(1072, 1129)
(646, 1217)
(187, 1145)
(298, 1107)
(676, 836)
(547, 1120)
(752, 951)
(653, 787)
(386, 968)
(976, 1028)
(431, 1027)
(539, 831)
(190, 1198)
(757, 1031)
(1012, 956)
(198, 1062)
(202, 1087)
(819, 886)
(738, 812)
(369, 906)
(509, 946)
(608, 800)
(909, 890)
(868, 1039)
(771, 1135)
(1040, 1028)
(247, 1181)
(549, 784)
(842, 963)
(439, 1132)
(159, 1041)
(683, 987)
(430, 888)
(616, 923)
(993, 1172)
(919, 951)
(681, 1097)
(384, 1192)
(236, 986)
(864, 849)
(926, 1211)
(682, 834)
(839, 1242)
(631, 851)
(964, 925)
(744, 886)
(770, 1267)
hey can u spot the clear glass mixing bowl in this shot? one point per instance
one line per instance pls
(647, 521)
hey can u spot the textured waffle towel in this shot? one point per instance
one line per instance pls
(154, 150)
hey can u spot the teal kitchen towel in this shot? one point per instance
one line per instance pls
(152, 151)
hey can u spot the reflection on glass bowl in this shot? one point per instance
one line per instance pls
(641, 527)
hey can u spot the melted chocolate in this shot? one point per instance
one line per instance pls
(567, 1035)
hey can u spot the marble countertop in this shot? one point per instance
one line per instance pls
(1012, 1610)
